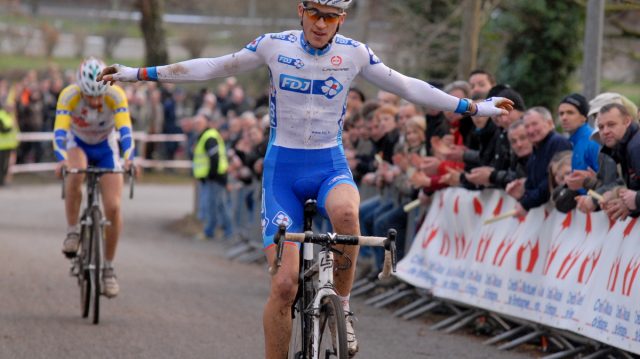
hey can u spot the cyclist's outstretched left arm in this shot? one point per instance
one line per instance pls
(194, 70)
(122, 120)
(422, 93)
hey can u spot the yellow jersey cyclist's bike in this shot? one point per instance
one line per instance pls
(88, 265)
(319, 327)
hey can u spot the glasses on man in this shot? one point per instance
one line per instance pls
(315, 15)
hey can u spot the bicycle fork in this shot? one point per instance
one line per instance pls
(325, 288)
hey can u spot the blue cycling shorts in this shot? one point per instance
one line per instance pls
(105, 154)
(290, 177)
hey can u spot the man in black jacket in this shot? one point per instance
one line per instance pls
(534, 191)
(621, 140)
(504, 159)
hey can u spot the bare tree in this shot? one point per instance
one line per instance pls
(50, 37)
(194, 42)
(155, 42)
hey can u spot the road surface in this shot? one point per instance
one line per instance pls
(179, 298)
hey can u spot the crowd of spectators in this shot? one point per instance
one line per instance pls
(397, 151)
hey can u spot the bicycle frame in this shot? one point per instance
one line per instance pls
(312, 292)
(324, 288)
(88, 266)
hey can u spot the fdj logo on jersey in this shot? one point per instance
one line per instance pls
(285, 37)
(297, 63)
(328, 88)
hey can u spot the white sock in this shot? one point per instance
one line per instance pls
(345, 302)
(73, 229)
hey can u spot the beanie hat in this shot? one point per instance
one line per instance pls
(578, 101)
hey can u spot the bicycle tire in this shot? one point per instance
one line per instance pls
(295, 344)
(332, 342)
(96, 258)
(84, 280)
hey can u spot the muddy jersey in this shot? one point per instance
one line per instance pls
(309, 87)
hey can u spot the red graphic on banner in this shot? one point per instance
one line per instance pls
(462, 246)
(551, 255)
(546, 214)
(503, 250)
(432, 234)
(455, 205)
(567, 221)
(613, 275)
(587, 228)
(611, 224)
(446, 244)
(441, 204)
(592, 260)
(534, 252)
(498, 208)
(629, 227)
(477, 206)
(483, 246)
(630, 276)
(568, 263)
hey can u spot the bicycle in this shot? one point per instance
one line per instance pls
(87, 265)
(320, 331)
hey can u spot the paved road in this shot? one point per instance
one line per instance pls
(179, 299)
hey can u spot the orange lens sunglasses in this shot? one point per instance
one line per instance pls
(315, 15)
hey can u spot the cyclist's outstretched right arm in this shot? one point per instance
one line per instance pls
(194, 70)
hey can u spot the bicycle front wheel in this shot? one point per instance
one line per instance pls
(84, 278)
(295, 345)
(96, 262)
(332, 342)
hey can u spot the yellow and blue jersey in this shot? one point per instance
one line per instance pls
(80, 124)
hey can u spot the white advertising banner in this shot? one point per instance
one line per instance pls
(569, 271)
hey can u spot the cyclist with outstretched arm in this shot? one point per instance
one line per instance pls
(311, 71)
(88, 114)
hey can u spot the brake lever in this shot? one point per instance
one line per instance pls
(390, 245)
(278, 239)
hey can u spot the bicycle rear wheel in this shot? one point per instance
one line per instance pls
(96, 262)
(333, 331)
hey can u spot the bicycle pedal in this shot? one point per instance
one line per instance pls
(74, 270)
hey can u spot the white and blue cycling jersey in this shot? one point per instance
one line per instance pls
(308, 93)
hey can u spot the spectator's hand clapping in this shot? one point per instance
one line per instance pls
(585, 204)
(515, 188)
(429, 165)
(480, 176)
(419, 179)
(629, 198)
(575, 180)
(452, 178)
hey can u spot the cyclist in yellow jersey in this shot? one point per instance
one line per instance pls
(88, 115)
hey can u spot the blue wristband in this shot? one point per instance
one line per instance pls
(463, 106)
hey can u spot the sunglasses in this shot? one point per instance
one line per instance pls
(315, 15)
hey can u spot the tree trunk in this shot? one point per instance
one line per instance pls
(469, 38)
(155, 42)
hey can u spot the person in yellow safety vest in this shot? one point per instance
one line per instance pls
(210, 166)
(8, 143)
